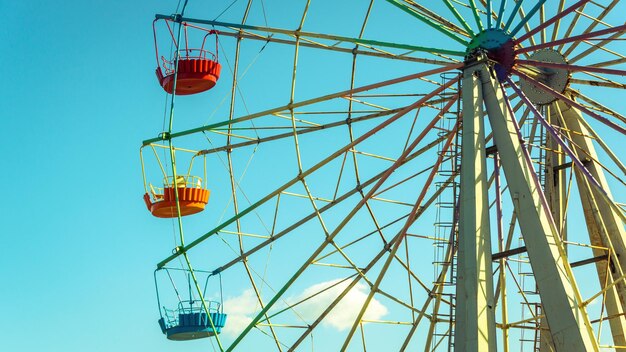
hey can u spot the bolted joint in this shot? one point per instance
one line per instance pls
(165, 136)
(178, 18)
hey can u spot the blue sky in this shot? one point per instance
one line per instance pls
(77, 274)
(79, 95)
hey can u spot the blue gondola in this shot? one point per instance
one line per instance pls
(189, 320)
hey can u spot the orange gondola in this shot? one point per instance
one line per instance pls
(189, 190)
(191, 197)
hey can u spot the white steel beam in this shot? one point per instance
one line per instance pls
(562, 304)
(604, 226)
(475, 311)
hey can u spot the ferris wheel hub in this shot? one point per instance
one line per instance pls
(555, 78)
(499, 47)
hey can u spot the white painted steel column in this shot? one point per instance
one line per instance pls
(556, 194)
(475, 315)
(569, 323)
(604, 226)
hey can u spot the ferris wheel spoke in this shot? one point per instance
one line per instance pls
(476, 15)
(437, 26)
(554, 20)
(489, 12)
(621, 60)
(363, 237)
(557, 24)
(604, 83)
(593, 25)
(571, 27)
(601, 81)
(574, 39)
(439, 19)
(411, 273)
(542, 19)
(488, 6)
(498, 17)
(507, 25)
(373, 52)
(304, 34)
(600, 46)
(527, 18)
(500, 13)
(300, 131)
(596, 105)
(458, 16)
(573, 67)
(308, 298)
(570, 102)
(416, 323)
(407, 148)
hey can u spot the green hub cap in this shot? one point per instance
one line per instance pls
(499, 47)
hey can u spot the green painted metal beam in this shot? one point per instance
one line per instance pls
(479, 23)
(500, 13)
(489, 14)
(528, 16)
(459, 17)
(426, 20)
(296, 33)
(518, 4)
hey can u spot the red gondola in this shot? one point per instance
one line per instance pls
(198, 68)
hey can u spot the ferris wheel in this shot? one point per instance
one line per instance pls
(392, 176)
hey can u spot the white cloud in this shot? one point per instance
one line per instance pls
(243, 308)
(344, 313)
(240, 310)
